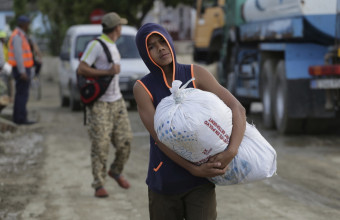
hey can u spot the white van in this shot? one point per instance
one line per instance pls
(74, 44)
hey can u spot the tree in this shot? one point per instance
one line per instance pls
(19, 8)
(59, 19)
(64, 13)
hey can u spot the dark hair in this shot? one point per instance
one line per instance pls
(108, 30)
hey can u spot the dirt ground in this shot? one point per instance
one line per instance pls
(45, 172)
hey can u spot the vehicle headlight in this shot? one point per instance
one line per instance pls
(130, 77)
(124, 79)
(137, 76)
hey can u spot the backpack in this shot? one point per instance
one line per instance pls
(92, 88)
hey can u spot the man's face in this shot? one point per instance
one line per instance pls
(119, 30)
(159, 50)
(25, 26)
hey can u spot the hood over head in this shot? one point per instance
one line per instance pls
(141, 40)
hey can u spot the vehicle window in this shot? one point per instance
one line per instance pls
(127, 47)
(209, 3)
(66, 48)
(125, 44)
(81, 43)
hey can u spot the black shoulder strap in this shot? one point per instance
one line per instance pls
(109, 59)
(106, 50)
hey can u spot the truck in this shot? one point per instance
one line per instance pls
(208, 33)
(284, 54)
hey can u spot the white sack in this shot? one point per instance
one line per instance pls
(193, 123)
(255, 160)
(7, 69)
(197, 124)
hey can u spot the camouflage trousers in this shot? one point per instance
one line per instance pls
(108, 124)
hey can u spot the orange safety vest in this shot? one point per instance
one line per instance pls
(26, 50)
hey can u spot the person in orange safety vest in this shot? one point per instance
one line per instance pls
(20, 57)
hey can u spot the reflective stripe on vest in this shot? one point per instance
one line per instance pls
(27, 55)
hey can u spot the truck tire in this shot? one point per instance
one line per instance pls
(64, 101)
(196, 55)
(132, 105)
(231, 87)
(284, 124)
(74, 104)
(267, 76)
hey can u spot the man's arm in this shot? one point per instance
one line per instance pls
(146, 112)
(90, 55)
(85, 70)
(207, 82)
(18, 56)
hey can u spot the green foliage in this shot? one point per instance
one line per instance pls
(60, 18)
(176, 2)
(20, 8)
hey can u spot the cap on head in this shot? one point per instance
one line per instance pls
(111, 20)
(3, 34)
(23, 19)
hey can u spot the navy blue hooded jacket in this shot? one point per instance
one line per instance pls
(164, 175)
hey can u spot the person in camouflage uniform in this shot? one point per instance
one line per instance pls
(108, 117)
(109, 122)
(4, 98)
(4, 95)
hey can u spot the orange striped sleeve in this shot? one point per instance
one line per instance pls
(193, 75)
(146, 89)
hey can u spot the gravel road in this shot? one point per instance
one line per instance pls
(45, 172)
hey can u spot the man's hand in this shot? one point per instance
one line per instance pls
(23, 76)
(224, 158)
(209, 169)
(115, 69)
(85, 70)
